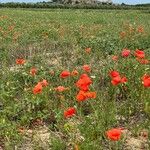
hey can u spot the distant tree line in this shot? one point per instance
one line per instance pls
(143, 5)
(77, 6)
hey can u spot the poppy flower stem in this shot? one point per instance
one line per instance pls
(94, 109)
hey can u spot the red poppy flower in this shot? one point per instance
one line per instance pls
(114, 134)
(84, 82)
(65, 74)
(69, 112)
(88, 50)
(124, 80)
(86, 68)
(84, 87)
(74, 73)
(123, 34)
(116, 80)
(140, 29)
(114, 74)
(146, 80)
(85, 76)
(91, 95)
(21, 130)
(20, 61)
(37, 89)
(33, 71)
(83, 95)
(139, 54)
(143, 61)
(44, 83)
(125, 53)
(115, 58)
(61, 89)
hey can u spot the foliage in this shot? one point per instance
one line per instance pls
(55, 5)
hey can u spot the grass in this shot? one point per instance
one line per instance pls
(53, 41)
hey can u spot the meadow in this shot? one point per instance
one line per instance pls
(74, 79)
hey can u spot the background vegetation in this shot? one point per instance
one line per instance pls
(76, 6)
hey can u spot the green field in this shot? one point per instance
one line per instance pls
(54, 40)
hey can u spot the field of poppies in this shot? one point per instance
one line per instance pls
(74, 79)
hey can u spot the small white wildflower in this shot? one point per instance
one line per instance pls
(93, 77)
